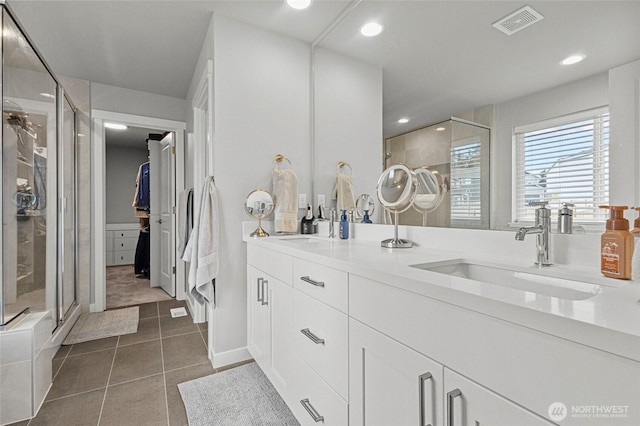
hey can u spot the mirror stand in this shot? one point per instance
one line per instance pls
(396, 242)
(259, 232)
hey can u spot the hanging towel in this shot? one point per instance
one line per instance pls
(343, 192)
(185, 219)
(285, 191)
(202, 248)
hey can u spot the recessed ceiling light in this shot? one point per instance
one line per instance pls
(299, 4)
(403, 120)
(48, 95)
(115, 126)
(573, 59)
(371, 29)
(440, 129)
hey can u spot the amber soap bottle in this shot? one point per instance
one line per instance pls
(616, 245)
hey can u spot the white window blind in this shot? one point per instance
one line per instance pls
(563, 160)
(465, 182)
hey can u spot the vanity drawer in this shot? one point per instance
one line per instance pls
(321, 338)
(276, 264)
(122, 244)
(126, 257)
(125, 233)
(323, 283)
(320, 400)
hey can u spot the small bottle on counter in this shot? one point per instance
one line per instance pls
(366, 218)
(635, 262)
(616, 245)
(344, 226)
(307, 223)
(565, 219)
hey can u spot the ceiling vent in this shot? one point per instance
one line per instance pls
(518, 20)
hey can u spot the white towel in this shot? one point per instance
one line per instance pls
(343, 192)
(202, 248)
(285, 192)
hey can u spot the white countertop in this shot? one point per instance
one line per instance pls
(609, 321)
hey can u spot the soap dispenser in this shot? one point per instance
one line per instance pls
(307, 223)
(616, 245)
(344, 226)
(366, 218)
(565, 219)
(635, 262)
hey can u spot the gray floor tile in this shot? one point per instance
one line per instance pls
(136, 361)
(165, 306)
(140, 402)
(177, 413)
(82, 373)
(184, 350)
(80, 410)
(148, 310)
(62, 352)
(174, 326)
(203, 325)
(205, 337)
(94, 345)
(56, 363)
(148, 329)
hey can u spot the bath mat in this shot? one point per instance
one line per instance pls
(99, 325)
(240, 396)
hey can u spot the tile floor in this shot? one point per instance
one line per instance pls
(131, 379)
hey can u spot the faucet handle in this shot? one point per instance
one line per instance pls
(539, 204)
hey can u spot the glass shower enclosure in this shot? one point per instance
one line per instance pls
(38, 203)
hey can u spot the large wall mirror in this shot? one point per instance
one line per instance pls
(444, 59)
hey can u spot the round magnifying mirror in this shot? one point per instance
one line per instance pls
(396, 188)
(259, 205)
(429, 190)
(365, 203)
(396, 191)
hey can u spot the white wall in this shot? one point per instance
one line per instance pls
(348, 122)
(121, 169)
(566, 99)
(261, 108)
(127, 101)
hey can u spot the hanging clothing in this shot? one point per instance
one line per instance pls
(141, 198)
(202, 249)
(142, 260)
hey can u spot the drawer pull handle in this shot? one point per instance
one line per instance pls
(259, 289)
(310, 281)
(421, 379)
(451, 396)
(265, 288)
(315, 339)
(312, 411)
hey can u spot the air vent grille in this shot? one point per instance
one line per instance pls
(518, 20)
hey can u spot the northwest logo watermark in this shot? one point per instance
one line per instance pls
(558, 411)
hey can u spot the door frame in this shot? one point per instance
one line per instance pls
(98, 192)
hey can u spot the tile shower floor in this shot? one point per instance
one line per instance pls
(130, 379)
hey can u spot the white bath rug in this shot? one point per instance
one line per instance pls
(99, 325)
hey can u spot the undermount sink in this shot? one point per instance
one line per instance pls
(516, 278)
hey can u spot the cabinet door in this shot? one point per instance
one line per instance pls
(469, 404)
(258, 319)
(280, 310)
(391, 384)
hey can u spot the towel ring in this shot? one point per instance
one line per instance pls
(342, 164)
(279, 158)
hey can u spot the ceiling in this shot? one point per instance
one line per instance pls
(439, 58)
(132, 137)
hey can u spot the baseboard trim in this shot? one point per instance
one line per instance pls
(229, 357)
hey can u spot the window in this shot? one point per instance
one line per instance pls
(564, 160)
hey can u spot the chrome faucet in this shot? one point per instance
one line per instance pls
(541, 229)
(333, 216)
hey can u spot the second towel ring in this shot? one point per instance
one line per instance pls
(279, 158)
(342, 164)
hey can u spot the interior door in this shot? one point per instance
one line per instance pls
(162, 218)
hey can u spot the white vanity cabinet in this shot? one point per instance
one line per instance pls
(469, 404)
(269, 315)
(391, 384)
